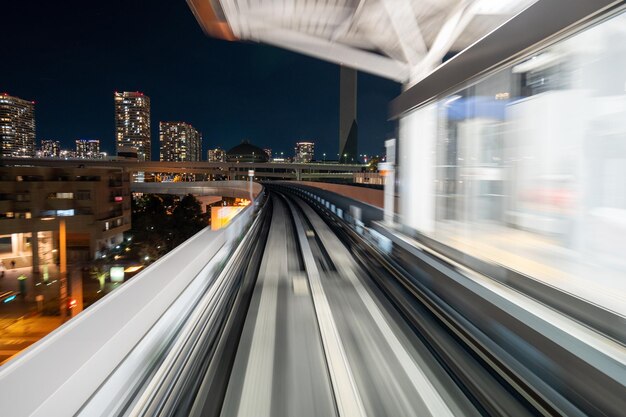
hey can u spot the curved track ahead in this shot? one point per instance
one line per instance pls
(314, 321)
(321, 338)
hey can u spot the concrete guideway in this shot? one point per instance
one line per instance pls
(316, 342)
(391, 372)
(494, 308)
(280, 367)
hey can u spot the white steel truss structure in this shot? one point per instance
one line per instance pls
(402, 40)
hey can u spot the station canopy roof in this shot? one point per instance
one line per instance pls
(402, 40)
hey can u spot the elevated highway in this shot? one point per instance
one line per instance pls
(213, 170)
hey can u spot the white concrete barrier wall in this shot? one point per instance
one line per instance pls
(58, 374)
(239, 189)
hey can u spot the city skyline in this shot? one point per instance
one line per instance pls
(123, 102)
(133, 134)
(213, 90)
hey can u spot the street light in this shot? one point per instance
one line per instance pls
(251, 175)
(387, 170)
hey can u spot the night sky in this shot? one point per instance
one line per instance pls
(70, 56)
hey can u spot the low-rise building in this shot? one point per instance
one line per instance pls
(304, 152)
(50, 149)
(67, 154)
(93, 202)
(371, 178)
(88, 149)
(215, 155)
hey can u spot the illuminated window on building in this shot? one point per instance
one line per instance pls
(65, 196)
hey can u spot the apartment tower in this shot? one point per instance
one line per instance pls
(132, 123)
(179, 141)
(17, 127)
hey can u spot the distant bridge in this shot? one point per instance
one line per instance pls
(226, 170)
(239, 189)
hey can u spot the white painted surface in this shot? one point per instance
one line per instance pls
(418, 134)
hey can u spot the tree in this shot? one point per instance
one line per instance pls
(162, 221)
(187, 219)
(99, 271)
(99, 274)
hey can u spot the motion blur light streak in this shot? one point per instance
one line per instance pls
(533, 180)
(9, 299)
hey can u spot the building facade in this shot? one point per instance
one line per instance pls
(17, 127)
(132, 123)
(179, 141)
(88, 149)
(50, 149)
(304, 152)
(67, 154)
(215, 155)
(94, 202)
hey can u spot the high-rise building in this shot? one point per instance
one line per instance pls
(268, 151)
(305, 152)
(50, 148)
(215, 155)
(132, 123)
(348, 128)
(17, 126)
(88, 149)
(179, 141)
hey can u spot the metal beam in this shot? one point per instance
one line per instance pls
(546, 17)
(408, 34)
(454, 25)
(334, 52)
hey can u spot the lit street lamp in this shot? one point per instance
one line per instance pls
(251, 175)
(387, 170)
